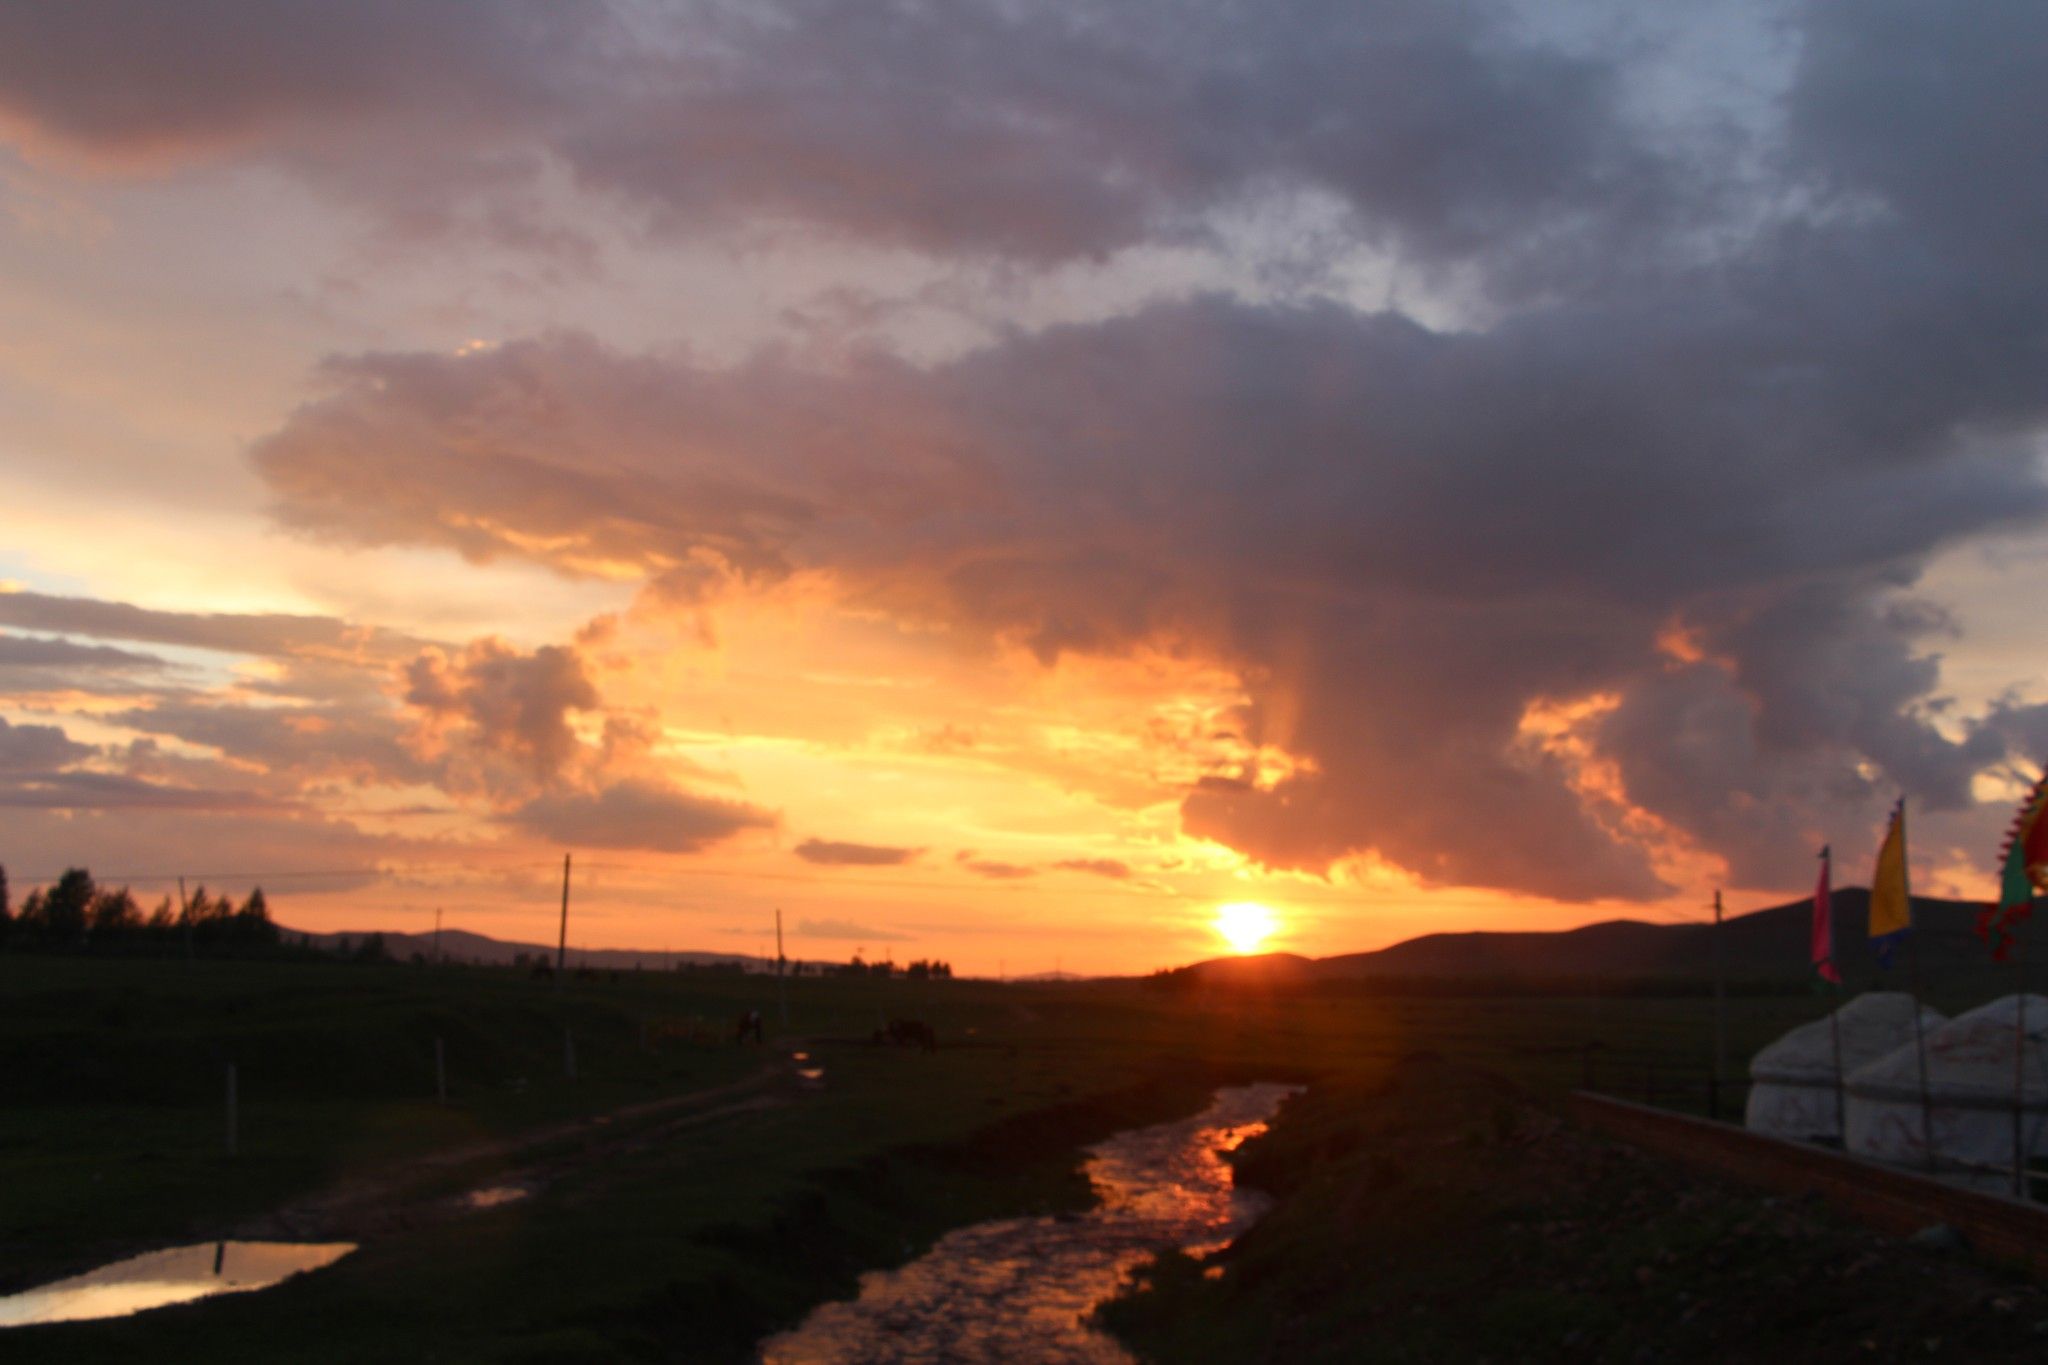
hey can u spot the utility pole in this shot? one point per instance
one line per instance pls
(781, 968)
(562, 947)
(1720, 1006)
(437, 935)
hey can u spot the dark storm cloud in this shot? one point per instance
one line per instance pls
(77, 789)
(41, 768)
(126, 79)
(271, 634)
(2024, 728)
(836, 853)
(1037, 132)
(1752, 427)
(1409, 535)
(639, 814)
(361, 743)
(30, 747)
(1935, 115)
(26, 654)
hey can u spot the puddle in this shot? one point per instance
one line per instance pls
(175, 1275)
(493, 1196)
(800, 1056)
(1019, 1288)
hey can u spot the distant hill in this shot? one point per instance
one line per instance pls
(1764, 946)
(1264, 969)
(459, 945)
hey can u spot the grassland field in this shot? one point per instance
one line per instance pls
(660, 1234)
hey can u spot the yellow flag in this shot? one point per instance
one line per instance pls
(1891, 907)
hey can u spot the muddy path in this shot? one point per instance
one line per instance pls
(458, 1181)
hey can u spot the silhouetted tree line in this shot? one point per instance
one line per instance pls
(75, 914)
(920, 970)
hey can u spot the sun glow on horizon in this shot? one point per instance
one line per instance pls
(1245, 925)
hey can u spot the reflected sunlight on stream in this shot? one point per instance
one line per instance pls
(1020, 1288)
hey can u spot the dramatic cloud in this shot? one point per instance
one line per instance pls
(847, 931)
(363, 743)
(498, 707)
(2025, 732)
(994, 870)
(834, 853)
(41, 769)
(1404, 537)
(25, 748)
(1037, 132)
(81, 790)
(1112, 868)
(1601, 552)
(635, 814)
(27, 653)
(266, 634)
(130, 82)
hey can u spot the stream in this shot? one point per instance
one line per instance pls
(1022, 1288)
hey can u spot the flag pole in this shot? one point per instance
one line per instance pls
(2019, 1066)
(1823, 954)
(1913, 967)
(1841, 1104)
(1920, 1045)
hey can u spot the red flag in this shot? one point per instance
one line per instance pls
(2024, 873)
(1824, 926)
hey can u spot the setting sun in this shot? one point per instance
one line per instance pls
(1244, 925)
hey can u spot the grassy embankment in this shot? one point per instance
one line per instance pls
(689, 1243)
(1444, 1214)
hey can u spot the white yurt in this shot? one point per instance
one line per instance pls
(1793, 1090)
(1970, 1092)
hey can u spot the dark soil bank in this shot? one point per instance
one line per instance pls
(879, 1213)
(1445, 1216)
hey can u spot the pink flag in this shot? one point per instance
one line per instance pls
(1824, 926)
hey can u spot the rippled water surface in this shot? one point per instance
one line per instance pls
(177, 1275)
(1019, 1288)
(494, 1196)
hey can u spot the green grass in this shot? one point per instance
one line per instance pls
(111, 1141)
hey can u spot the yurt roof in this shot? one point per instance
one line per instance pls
(1873, 1025)
(1969, 1058)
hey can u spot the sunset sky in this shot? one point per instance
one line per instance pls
(1001, 480)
